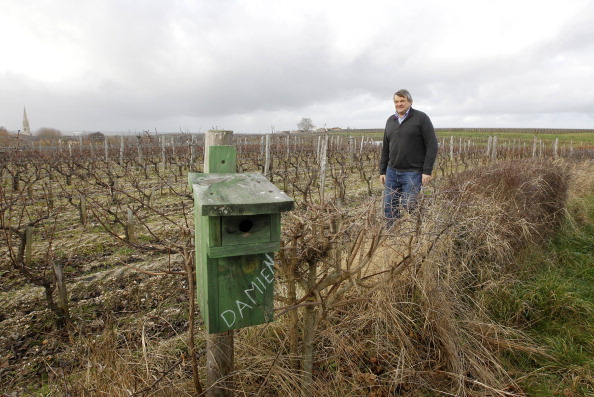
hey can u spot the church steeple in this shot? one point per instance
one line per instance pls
(25, 130)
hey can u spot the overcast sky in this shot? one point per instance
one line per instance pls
(255, 65)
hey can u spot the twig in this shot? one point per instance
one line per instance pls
(148, 388)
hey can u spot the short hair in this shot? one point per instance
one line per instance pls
(405, 94)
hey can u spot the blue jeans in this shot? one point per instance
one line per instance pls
(401, 190)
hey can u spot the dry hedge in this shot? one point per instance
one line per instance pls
(425, 329)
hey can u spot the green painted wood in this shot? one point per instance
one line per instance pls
(243, 293)
(249, 193)
(275, 227)
(222, 159)
(237, 222)
(246, 229)
(201, 229)
(238, 250)
(214, 231)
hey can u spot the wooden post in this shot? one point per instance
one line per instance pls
(28, 244)
(452, 148)
(237, 219)
(115, 190)
(288, 144)
(50, 195)
(351, 151)
(163, 151)
(62, 291)
(494, 148)
(139, 149)
(220, 351)
(16, 180)
(319, 148)
(267, 157)
(121, 151)
(151, 197)
(106, 144)
(130, 232)
(556, 148)
(192, 154)
(323, 163)
(83, 210)
(170, 184)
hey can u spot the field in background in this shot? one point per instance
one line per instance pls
(578, 138)
(586, 137)
(115, 218)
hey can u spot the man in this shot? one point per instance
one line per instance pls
(408, 154)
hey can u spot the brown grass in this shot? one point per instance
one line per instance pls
(406, 321)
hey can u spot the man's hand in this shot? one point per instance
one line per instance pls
(383, 179)
(425, 179)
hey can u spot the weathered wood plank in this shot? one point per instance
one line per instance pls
(246, 229)
(241, 292)
(238, 194)
(221, 159)
(245, 249)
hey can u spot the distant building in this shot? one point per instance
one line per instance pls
(26, 130)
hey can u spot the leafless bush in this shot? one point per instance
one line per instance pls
(410, 318)
(506, 206)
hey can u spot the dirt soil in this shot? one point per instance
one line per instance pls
(106, 287)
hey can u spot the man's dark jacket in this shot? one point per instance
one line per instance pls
(410, 146)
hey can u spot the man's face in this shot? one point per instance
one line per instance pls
(401, 104)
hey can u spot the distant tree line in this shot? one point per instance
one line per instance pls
(518, 130)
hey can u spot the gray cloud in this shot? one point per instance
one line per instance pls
(251, 65)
